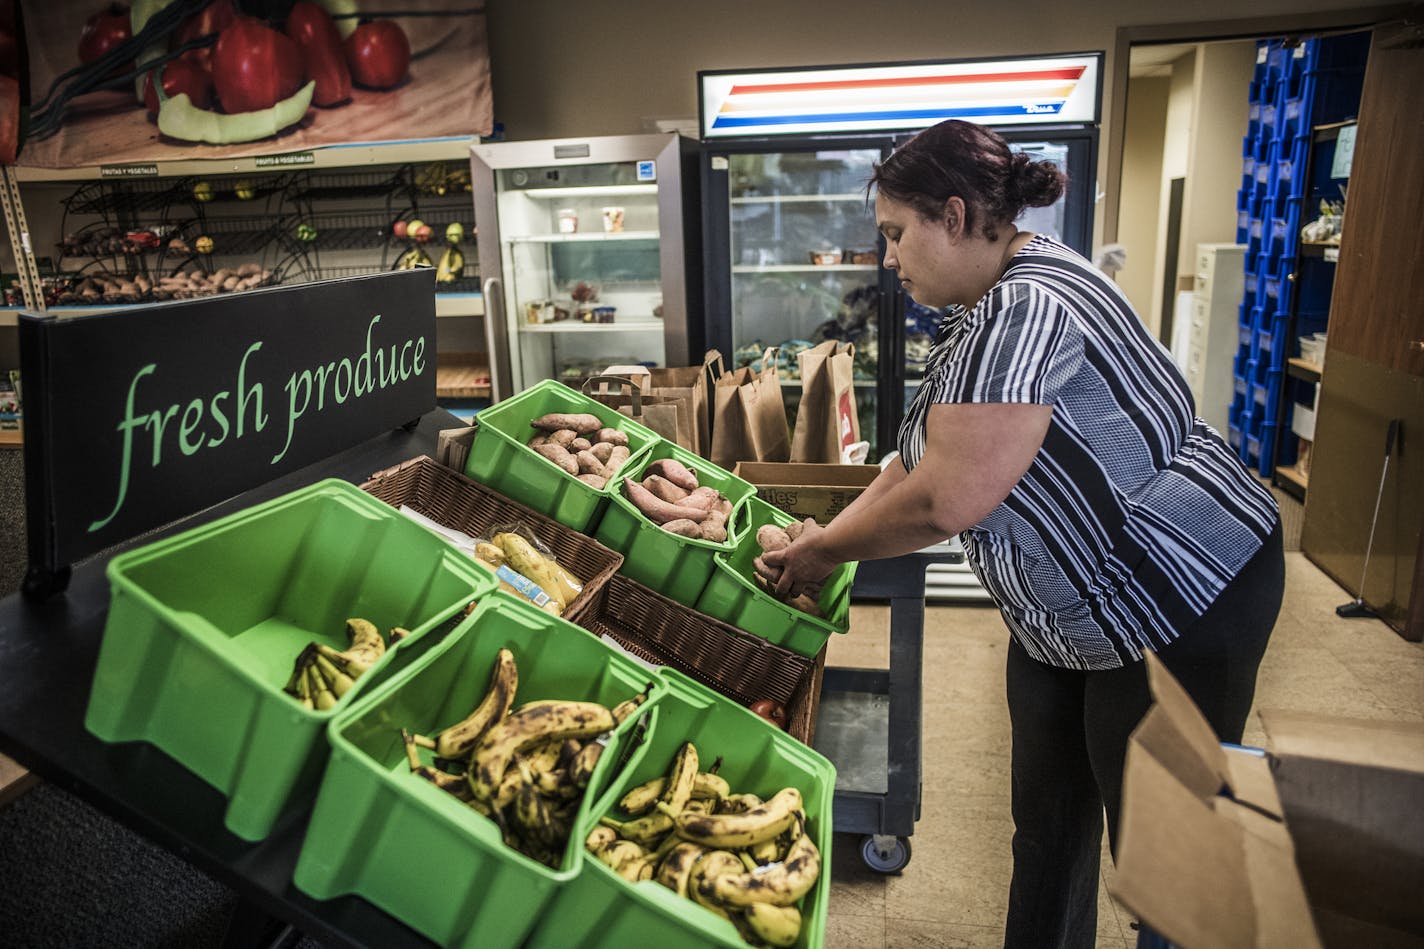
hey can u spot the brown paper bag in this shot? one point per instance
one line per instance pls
(624, 393)
(826, 421)
(749, 416)
(688, 386)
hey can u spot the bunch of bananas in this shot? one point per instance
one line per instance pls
(525, 768)
(747, 860)
(322, 675)
(412, 258)
(440, 178)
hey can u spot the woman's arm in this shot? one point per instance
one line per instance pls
(974, 455)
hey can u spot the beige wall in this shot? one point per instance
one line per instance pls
(1146, 128)
(1176, 158)
(1223, 72)
(603, 67)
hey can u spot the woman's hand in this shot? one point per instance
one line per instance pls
(804, 565)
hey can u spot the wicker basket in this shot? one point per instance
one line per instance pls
(738, 665)
(449, 498)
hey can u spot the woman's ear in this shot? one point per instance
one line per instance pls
(954, 216)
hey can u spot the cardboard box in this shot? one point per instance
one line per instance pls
(1318, 841)
(807, 490)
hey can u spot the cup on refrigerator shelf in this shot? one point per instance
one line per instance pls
(568, 221)
(612, 220)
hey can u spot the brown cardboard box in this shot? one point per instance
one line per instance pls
(807, 490)
(1318, 841)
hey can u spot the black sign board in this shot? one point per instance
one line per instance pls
(142, 416)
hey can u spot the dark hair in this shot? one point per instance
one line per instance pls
(973, 163)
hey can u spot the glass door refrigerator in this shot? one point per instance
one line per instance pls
(791, 250)
(590, 251)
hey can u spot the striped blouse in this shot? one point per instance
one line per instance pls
(1134, 514)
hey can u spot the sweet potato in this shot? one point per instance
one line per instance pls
(705, 497)
(683, 527)
(794, 529)
(714, 529)
(560, 456)
(563, 436)
(770, 537)
(616, 457)
(602, 450)
(675, 471)
(580, 444)
(538, 440)
(664, 489)
(656, 509)
(580, 422)
(588, 464)
(611, 435)
(593, 480)
(766, 571)
(805, 604)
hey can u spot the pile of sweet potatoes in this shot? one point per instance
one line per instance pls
(579, 443)
(770, 537)
(671, 497)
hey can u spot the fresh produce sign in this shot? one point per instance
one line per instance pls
(142, 416)
(150, 79)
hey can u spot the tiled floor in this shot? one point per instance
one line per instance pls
(954, 891)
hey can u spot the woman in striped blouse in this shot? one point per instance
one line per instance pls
(1058, 439)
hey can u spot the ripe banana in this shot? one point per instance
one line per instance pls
(780, 884)
(706, 787)
(322, 696)
(638, 869)
(705, 872)
(457, 740)
(627, 707)
(676, 867)
(413, 257)
(616, 854)
(735, 831)
(677, 790)
(581, 768)
(451, 266)
(738, 803)
(454, 783)
(532, 814)
(339, 681)
(600, 837)
(773, 925)
(525, 729)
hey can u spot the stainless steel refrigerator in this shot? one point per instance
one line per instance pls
(791, 250)
(590, 250)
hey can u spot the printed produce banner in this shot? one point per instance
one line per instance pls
(248, 77)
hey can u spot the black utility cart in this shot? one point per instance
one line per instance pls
(869, 722)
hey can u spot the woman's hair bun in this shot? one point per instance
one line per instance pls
(1035, 184)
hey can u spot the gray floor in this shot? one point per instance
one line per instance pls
(954, 892)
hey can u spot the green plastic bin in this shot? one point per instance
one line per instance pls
(414, 850)
(203, 629)
(732, 596)
(501, 458)
(677, 567)
(757, 757)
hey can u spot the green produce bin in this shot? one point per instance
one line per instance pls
(204, 627)
(757, 757)
(501, 458)
(733, 596)
(675, 566)
(414, 850)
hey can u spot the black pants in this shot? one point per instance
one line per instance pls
(1070, 732)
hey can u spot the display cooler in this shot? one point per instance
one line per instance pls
(590, 251)
(792, 255)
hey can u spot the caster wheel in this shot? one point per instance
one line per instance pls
(885, 854)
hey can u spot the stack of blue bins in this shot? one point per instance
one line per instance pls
(1295, 88)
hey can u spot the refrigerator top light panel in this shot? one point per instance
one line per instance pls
(1048, 89)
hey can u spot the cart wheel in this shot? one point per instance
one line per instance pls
(885, 854)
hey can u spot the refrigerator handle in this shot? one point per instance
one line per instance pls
(496, 342)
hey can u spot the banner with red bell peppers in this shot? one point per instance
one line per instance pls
(114, 82)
